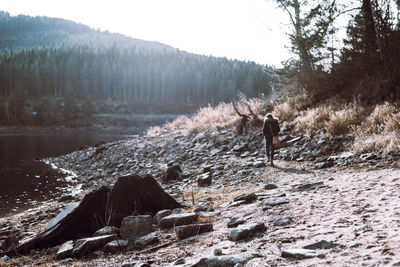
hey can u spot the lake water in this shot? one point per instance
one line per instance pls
(25, 181)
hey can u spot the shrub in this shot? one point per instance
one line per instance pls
(344, 121)
(312, 120)
(380, 132)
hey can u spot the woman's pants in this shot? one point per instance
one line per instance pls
(269, 149)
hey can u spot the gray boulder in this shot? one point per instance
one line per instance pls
(204, 179)
(299, 254)
(283, 221)
(86, 245)
(226, 260)
(133, 227)
(246, 231)
(107, 230)
(235, 221)
(161, 214)
(186, 231)
(178, 219)
(65, 250)
(145, 240)
(116, 245)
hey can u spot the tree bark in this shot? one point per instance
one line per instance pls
(87, 218)
(130, 194)
(371, 41)
(135, 194)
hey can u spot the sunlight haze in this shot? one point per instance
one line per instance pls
(238, 29)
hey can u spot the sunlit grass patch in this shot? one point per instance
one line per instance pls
(380, 132)
(214, 119)
(344, 121)
(385, 143)
(312, 120)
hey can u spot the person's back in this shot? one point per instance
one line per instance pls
(270, 128)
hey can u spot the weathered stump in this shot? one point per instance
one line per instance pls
(135, 194)
(130, 194)
(86, 219)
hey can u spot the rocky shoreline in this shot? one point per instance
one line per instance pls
(320, 205)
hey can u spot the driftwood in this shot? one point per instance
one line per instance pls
(130, 194)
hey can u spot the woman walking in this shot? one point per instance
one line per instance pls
(270, 129)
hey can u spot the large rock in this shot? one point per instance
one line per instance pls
(133, 227)
(309, 187)
(146, 240)
(204, 179)
(186, 231)
(323, 244)
(299, 254)
(107, 230)
(67, 210)
(65, 250)
(161, 214)
(178, 219)
(86, 245)
(133, 193)
(272, 202)
(283, 221)
(116, 245)
(246, 231)
(235, 221)
(225, 261)
(248, 198)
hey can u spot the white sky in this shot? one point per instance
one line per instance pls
(251, 30)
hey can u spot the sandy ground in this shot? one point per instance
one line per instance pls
(357, 208)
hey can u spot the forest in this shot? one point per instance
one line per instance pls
(52, 71)
(346, 50)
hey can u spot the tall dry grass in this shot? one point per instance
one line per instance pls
(312, 120)
(213, 119)
(345, 120)
(380, 132)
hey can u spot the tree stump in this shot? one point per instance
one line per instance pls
(135, 194)
(130, 194)
(86, 219)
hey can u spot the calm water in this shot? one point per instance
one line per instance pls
(24, 181)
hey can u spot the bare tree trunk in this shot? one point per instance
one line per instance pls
(303, 52)
(371, 40)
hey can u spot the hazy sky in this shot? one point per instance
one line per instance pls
(242, 29)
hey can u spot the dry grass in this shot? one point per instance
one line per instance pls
(380, 132)
(345, 120)
(212, 119)
(312, 120)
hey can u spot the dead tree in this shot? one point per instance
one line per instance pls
(256, 121)
(241, 126)
(246, 120)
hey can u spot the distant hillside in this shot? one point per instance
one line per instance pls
(54, 70)
(27, 32)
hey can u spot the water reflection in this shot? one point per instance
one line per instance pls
(25, 182)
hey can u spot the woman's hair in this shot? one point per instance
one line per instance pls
(269, 115)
